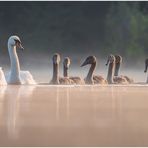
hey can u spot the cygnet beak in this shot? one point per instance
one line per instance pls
(107, 62)
(85, 63)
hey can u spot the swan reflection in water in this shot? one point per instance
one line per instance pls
(57, 103)
(60, 101)
(2, 92)
(118, 102)
(67, 102)
(16, 99)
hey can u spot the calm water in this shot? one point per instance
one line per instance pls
(45, 115)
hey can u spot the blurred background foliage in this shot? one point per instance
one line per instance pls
(77, 27)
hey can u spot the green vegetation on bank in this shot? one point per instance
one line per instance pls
(77, 27)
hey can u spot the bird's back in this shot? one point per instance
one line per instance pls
(2, 77)
(129, 80)
(65, 81)
(99, 80)
(26, 77)
(120, 80)
(77, 80)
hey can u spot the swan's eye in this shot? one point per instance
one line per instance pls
(17, 41)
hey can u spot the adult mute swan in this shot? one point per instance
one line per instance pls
(2, 77)
(16, 76)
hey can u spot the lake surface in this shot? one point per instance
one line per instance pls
(44, 115)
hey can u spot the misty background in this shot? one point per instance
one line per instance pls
(75, 29)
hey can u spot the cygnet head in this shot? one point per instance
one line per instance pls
(66, 62)
(118, 59)
(56, 58)
(15, 41)
(111, 59)
(89, 60)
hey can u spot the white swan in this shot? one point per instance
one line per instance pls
(15, 76)
(2, 77)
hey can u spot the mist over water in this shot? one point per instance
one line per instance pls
(40, 65)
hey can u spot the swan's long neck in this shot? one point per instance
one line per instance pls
(65, 72)
(111, 73)
(55, 78)
(15, 66)
(89, 78)
(117, 68)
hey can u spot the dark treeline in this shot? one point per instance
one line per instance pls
(77, 27)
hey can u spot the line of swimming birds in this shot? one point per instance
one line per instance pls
(18, 77)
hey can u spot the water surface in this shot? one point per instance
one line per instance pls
(46, 115)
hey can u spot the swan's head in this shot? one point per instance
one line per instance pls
(89, 60)
(111, 59)
(66, 62)
(118, 59)
(56, 58)
(146, 65)
(15, 41)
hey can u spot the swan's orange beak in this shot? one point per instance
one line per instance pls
(19, 45)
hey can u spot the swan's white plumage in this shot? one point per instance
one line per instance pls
(25, 78)
(2, 77)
